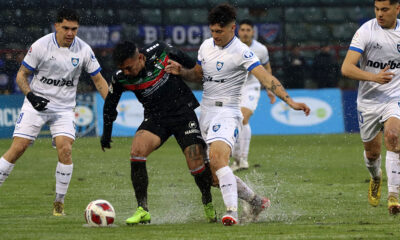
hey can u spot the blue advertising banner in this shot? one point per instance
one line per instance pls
(350, 111)
(85, 115)
(10, 106)
(326, 114)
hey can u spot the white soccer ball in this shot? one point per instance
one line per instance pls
(99, 213)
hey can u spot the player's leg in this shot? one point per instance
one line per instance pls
(7, 161)
(372, 159)
(391, 136)
(242, 146)
(63, 172)
(62, 128)
(27, 128)
(144, 143)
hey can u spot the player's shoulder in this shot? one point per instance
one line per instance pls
(80, 44)
(370, 25)
(45, 40)
(256, 45)
(209, 42)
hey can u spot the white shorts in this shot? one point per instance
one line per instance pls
(220, 124)
(30, 122)
(371, 118)
(250, 97)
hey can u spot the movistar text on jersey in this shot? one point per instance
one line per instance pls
(382, 65)
(58, 83)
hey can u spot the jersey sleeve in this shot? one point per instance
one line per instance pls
(33, 57)
(248, 59)
(264, 59)
(360, 39)
(92, 66)
(200, 54)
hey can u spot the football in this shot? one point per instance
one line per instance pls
(99, 213)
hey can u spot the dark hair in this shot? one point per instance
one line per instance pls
(247, 22)
(67, 14)
(223, 14)
(391, 1)
(123, 51)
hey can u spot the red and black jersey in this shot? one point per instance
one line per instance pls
(161, 94)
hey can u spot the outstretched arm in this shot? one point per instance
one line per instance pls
(350, 70)
(101, 84)
(272, 83)
(192, 75)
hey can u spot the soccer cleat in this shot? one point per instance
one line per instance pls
(140, 216)
(211, 214)
(393, 205)
(230, 218)
(240, 164)
(374, 191)
(58, 209)
(258, 205)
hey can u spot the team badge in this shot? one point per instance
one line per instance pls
(216, 127)
(75, 61)
(398, 47)
(192, 124)
(92, 57)
(236, 132)
(248, 54)
(219, 65)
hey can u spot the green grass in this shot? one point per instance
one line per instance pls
(318, 186)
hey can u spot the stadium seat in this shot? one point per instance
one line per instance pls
(272, 15)
(344, 32)
(150, 16)
(297, 31)
(197, 3)
(313, 14)
(177, 16)
(243, 13)
(320, 33)
(294, 15)
(152, 3)
(174, 3)
(336, 14)
(198, 16)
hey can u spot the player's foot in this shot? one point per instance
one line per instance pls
(257, 205)
(211, 214)
(374, 191)
(58, 209)
(393, 205)
(242, 164)
(140, 216)
(230, 218)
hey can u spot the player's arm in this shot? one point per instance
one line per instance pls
(350, 70)
(101, 84)
(271, 96)
(194, 74)
(39, 103)
(272, 83)
(110, 112)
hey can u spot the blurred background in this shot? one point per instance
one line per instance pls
(307, 39)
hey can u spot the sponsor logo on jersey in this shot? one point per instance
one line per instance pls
(57, 83)
(248, 54)
(382, 65)
(75, 61)
(216, 127)
(219, 65)
(377, 46)
(92, 57)
(152, 47)
(210, 79)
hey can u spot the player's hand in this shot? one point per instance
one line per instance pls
(383, 76)
(173, 67)
(300, 106)
(105, 142)
(38, 103)
(272, 98)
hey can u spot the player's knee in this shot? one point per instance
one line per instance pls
(372, 155)
(139, 152)
(19, 148)
(65, 150)
(391, 140)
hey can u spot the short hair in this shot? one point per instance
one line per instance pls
(222, 14)
(391, 1)
(123, 51)
(247, 22)
(67, 14)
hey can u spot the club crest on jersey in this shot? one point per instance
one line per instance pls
(219, 65)
(192, 124)
(216, 127)
(75, 61)
(248, 54)
(398, 47)
(236, 133)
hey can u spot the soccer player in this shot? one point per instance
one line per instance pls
(223, 63)
(376, 44)
(56, 60)
(250, 95)
(168, 110)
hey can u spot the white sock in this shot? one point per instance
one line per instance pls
(393, 171)
(244, 192)
(373, 166)
(228, 186)
(5, 169)
(63, 177)
(244, 142)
